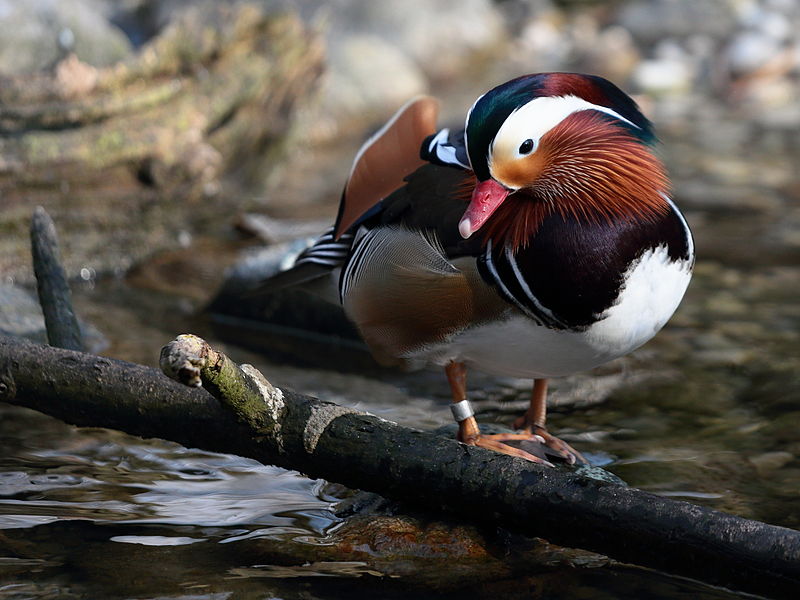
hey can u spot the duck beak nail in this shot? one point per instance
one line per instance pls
(465, 227)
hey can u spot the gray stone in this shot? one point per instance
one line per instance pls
(651, 21)
(35, 34)
(660, 76)
(380, 54)
(438, 36)
(750, 50)
(368, 76)
(20, 314)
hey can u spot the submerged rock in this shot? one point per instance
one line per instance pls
(398, 542)
(448, 556)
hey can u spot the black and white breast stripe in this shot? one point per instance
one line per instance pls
(446, 148)
(327, 251)
(360, 245)
(571, 272)
(502, 270)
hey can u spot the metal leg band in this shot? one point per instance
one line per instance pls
(461, 410)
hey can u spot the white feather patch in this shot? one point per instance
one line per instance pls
(518, 347)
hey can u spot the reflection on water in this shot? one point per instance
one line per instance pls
(59, 472)
(88, 503)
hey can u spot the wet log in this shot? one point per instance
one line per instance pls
(151, 138)
(190, 91)
(255, 419)
(55, 297)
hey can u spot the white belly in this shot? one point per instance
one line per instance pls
(518, 347)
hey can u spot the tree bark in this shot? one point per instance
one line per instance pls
(324, 440)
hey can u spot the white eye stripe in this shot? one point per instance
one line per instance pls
(537, 117)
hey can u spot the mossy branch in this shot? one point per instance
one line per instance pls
(191, 361)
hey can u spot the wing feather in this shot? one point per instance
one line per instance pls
(403, 294)
(386, 159)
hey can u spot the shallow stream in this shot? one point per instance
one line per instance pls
(708, 412)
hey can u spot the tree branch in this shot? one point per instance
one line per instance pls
(363, 451)
(55, 298)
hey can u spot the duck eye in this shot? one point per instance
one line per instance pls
(526, 147)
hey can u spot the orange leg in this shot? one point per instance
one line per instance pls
(534, 421)
(468, 431)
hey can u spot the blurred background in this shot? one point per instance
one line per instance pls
(173, 141)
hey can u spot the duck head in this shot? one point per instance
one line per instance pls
(558, 143)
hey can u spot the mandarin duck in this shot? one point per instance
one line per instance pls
(536, 242)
